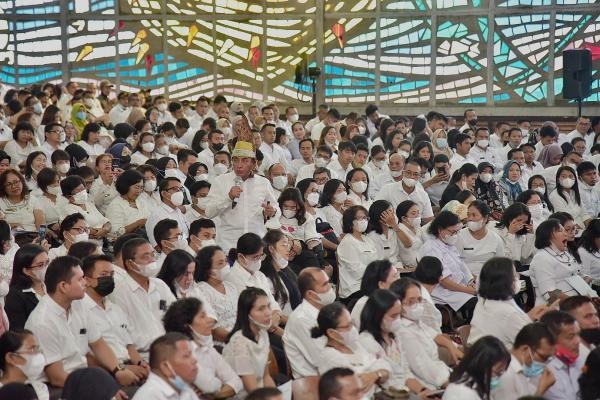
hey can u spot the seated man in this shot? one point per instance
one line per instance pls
(203, 232)
(266, 393)
(340, 384)
(527, 374)
(583, 310)
(173, 370)
(168, 237)
(65, 330)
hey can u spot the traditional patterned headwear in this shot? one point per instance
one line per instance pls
(244, 146)
(457, 208)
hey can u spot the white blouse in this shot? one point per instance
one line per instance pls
(570, 206)
(590, 262)
(353, 256)
(50, 208)
(549, 270)
(91, 214)
(305, 232)
(387, 246)
(500, 318)
(17, 153)
(102, 194)
(475, 252)
(517, 247)
(409, 255)
(223, 304)
(359, 200)
(391, 357)
(213, 371)
(248, 357)
(21, 213)
(121, 214)
(334, 217)
(459, 391)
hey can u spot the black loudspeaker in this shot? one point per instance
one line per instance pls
(577, 74)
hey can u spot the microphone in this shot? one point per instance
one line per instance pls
(236, 182)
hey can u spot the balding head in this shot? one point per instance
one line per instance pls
(307, 279)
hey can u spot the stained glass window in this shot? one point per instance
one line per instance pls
(413, 52)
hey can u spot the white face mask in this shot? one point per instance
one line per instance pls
(289, 214)
(204, 145)
(53, 190)
(148, 147)
(171, 173)
(396, 174)
(63, 168)
(404, 154)
(361, 225)
(474, 226)
(485, 177)
(320, 162)
(326, 298)
(149, 270)
(415, 222)
(39, 273)
(312, 199)
(164, 150)
(451, 240)
(340, 197)
(177, 199)
(222, 273)
(349, 338)
(280, 182)
(260, 325)
(281, 261)
(540, 189)
(201, 177)
(410, 182)
(80, 198)
(293, 118)
(359, 187)
(567, 183)
(536, 211)
(220, 169)
(392, 326)
(202, 202)
(414, 312)
(483, 143)
(162, 107)
(150, 185)
(252, 266)
(81, 237)
(34, 365)
(379, 163)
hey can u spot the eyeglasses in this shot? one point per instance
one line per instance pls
(13, 183)
(178, 237)
(33, 350)
(412, 174)
(452, 233)
(260, 257)
(59, 132)
(175, 188)
(41, 265)
(81, 229)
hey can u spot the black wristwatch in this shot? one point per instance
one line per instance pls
(118, 368)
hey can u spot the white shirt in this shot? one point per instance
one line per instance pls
(112, 323)
(207, 157)
(165, 212)
(548, 271)
(353, 256)
(213, 371)
(48, 150)
(421, 353)
(92, 216)
(21, 213)
(102, 194)
(590, 199)
(122, 214)
(61, 336)
(567, 379)
(475, 252)
(315, 130)
(392, 358)
(357, 310)
(156, 388)
(396, 194)
(247, 215)
(338, 171)
(50, 208)
(144, 309)
(549, 175)
(246, 356)
(453, 268)
(301, 349)
(305, 232)
(527, 171)
(274, 154)
(495, 141)
(241, 279)
(59, 251)
(118, 114)
(517, 247)
(409, 255)
(459, 391)
(590, 262)
(477, 155)
(502, 319)
(387, 246)
(380, 181)
(458, 161)
(223, 304)
(93, 150)
(17, 153)
(432, 317)
(589, 139)
(570, 206)
(513, 383)
(306, 171)
(296, 165)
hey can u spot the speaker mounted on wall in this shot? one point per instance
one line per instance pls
(577, 74)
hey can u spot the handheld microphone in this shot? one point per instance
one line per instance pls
(236, 182)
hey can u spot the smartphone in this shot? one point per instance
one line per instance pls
(42, 232)
(115, 164)
(441, 171)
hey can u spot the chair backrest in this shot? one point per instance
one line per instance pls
(306, 388)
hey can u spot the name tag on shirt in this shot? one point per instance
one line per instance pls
(82, 331)
(162, 305)
(469, 248)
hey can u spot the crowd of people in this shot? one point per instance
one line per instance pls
(158, 249)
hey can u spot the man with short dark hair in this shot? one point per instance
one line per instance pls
(305, 151)
(265, 393)
(461, 152)
(201, 112)
(171, 196)
(340, 384)
(548, 134)
(531, 166)
(470, 118)
(321, 113)
(301, 349)
(168, 237)
(173, 370)
(569, 359)
(343, 165)
(373, 117)
(588, 190)
(331, 119)
(216, 143)
(64, 329)
(527, 374)
(481, 151)
(584, 311)
(321, 160)
(120, 112)
(582, 130)
(496, 136)
(203, 232)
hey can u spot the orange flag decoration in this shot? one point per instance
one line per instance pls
(139, 36)
(149, 61)
(193, 30)
(339, 32)
(254, 53)
(87, 49)
(120, 25)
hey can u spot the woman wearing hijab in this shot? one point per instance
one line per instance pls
(79, 118)
(509, 182)
(488, 190)
(121, 152)
(550, 155)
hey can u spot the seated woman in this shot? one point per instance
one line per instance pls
(301, 229)
(457, 287)
(215, 377)
(535, 203)
(496, 312)
(149, 196)
(552, 265)
(538, 184)
(589, 250)
(357, 182)
(411, 235)
(127, 211)
(384, 231)
(48, 197)
(334, 200)
(21, 210)
(509, 182)
(379, 274)
(354, 252)
(488, 190)
(462, 179)
(477, 243)
(103, 189)
(211, 270)
(247, 348)
(516, 231)
(21, 361)
(34, 163)
(567, 222)
(73, 189)
(420, 342)
(26, 284)
(344, 349)
(144, 149)
(479, 371)
(566, 197)
(283, 281)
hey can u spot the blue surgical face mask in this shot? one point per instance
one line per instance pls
(535, 369)
(177, 381)
(81, 115)
(441, 143)
(494, 382)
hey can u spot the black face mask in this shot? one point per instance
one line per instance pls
(473, 122)
(125, 160)
(106, 285)
(218, 146)
(591, 335)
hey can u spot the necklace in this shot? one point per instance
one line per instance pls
(563, 257)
